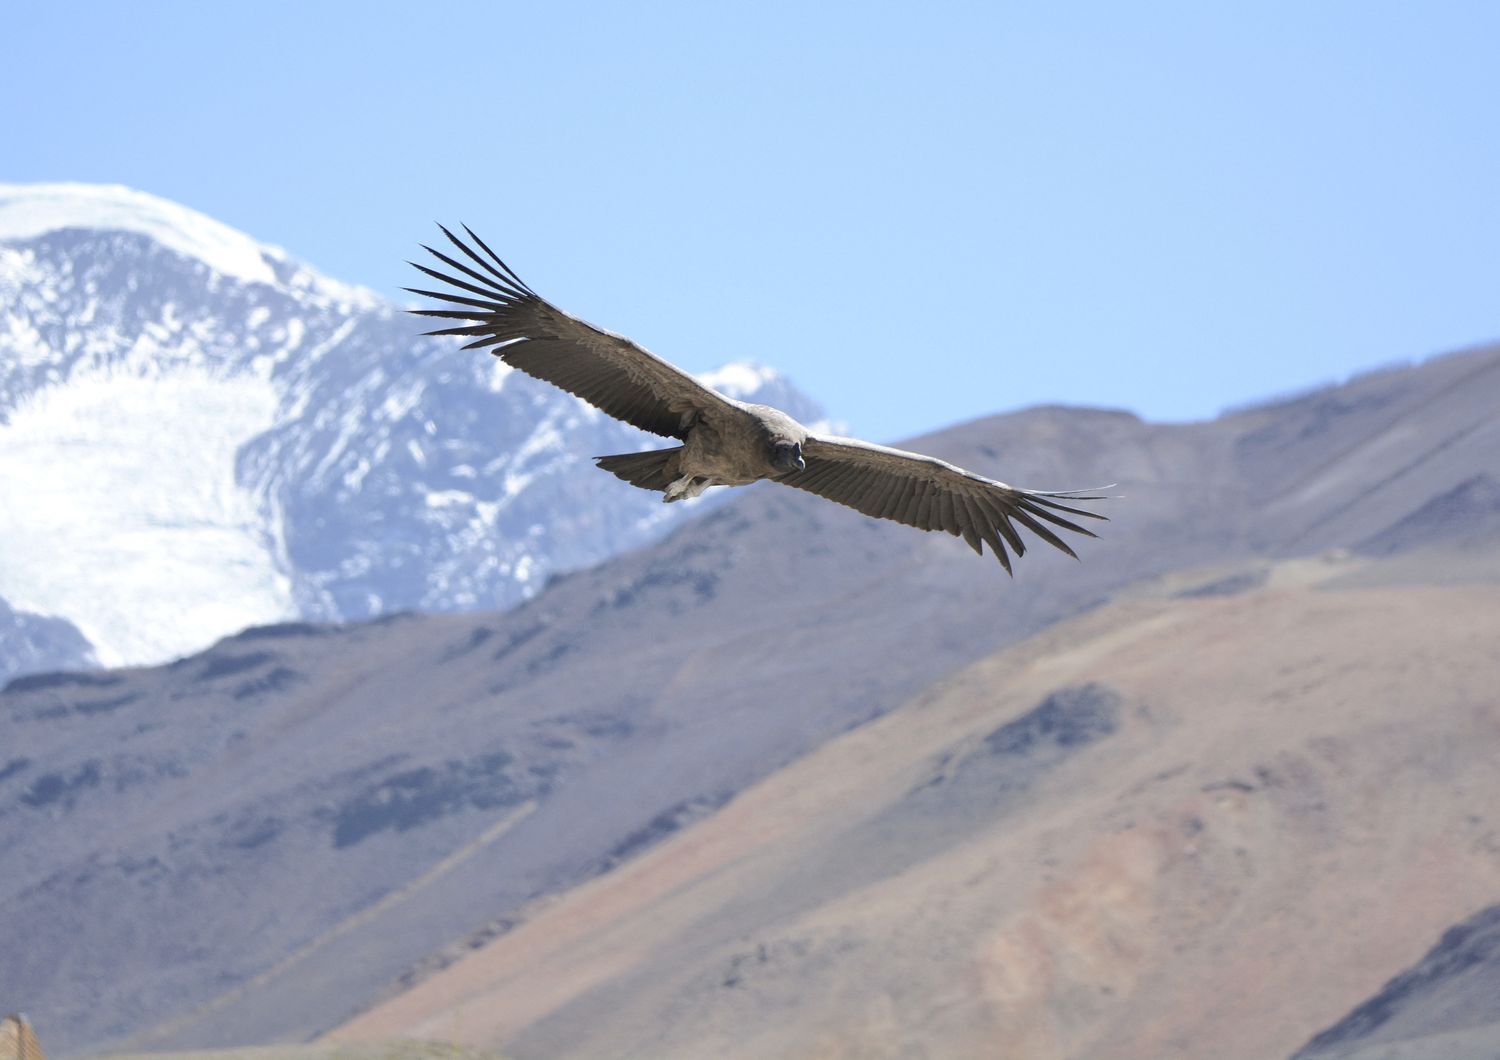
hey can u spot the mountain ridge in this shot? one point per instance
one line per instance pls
(264, 838)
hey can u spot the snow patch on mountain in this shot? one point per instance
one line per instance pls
(739, 379)
(119, 509)
(29, 210)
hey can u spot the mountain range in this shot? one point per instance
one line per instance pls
(629, 815)
(779, 781)
(201, 433)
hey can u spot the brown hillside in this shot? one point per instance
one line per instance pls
(1178, 826)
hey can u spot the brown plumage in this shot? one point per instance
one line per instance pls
(724, 441)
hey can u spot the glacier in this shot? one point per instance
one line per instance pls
(141, 536)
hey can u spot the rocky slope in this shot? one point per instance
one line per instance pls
(1178, 826)
(31, 642)
(1444, 1007)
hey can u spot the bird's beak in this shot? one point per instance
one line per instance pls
(800, 465)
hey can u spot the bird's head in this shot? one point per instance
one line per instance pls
(786, 456)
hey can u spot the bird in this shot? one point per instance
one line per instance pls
(726, 442)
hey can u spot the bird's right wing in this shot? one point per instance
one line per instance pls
(931, 494)
(607, 370)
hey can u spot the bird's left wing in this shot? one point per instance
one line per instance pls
(931, 494)
(607, 370)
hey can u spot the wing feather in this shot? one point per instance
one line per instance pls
(606, 370)
(904, 493)
(1045, 500)
(914, 506)
(970, 520)
(932, 494)
(881, 490)
(507, 279)
(924, 508)
(950, 516)
(992, 538)
(1057, 520)
(1021, 516)
(504, 268)
(997, 515)
(488, 281)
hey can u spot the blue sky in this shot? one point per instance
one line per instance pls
(922, 214)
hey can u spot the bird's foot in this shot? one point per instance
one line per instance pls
(685, 488)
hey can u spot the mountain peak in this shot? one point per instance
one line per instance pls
(739, 379)
(30, 210)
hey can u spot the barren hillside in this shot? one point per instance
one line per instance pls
(1185, 824)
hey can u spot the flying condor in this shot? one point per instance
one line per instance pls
(725, 442)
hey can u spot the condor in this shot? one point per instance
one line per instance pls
(727, 442)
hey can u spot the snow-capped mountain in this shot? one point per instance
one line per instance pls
(199, 433)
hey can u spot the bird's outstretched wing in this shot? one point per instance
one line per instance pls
(607, 370)
(932, 494)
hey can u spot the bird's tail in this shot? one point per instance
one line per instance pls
(653, 470)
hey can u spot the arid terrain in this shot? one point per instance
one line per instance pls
(1185, 824)
(792, 782)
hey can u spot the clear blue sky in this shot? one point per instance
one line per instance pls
(922, 213)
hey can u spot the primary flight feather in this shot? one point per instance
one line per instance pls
(726, 442)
